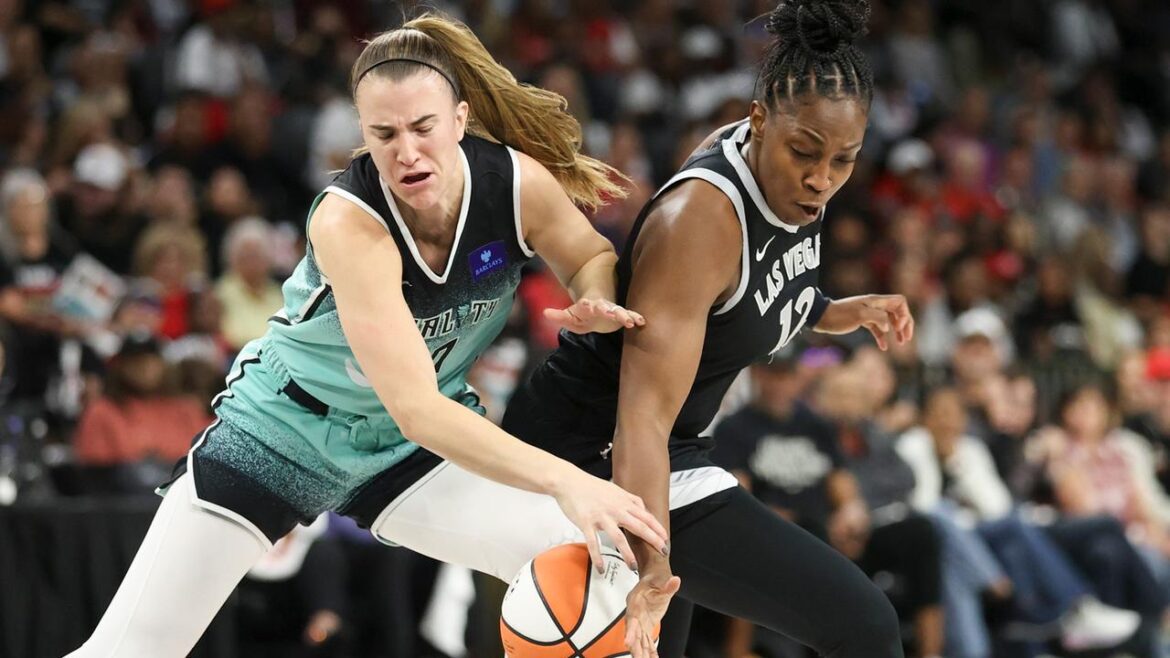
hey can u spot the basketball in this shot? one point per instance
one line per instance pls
(558, 606)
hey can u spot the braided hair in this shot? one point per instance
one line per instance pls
(815, 52)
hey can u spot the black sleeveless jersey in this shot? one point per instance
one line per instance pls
(777, 296)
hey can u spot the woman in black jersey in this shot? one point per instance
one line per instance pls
(723, 262)
(725, 269)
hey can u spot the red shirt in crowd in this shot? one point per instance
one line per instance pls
(137, 429)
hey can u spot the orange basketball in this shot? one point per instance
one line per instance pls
(558, 606)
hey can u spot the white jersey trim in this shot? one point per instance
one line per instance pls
(732, 192)
(731, 152)
(418, 259)
(219, 509)
(353, 198)
(516, 203)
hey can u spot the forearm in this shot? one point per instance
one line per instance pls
(462, 436)
(596, 278)
(641, 465)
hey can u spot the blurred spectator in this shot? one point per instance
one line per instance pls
(172, 262)
(1148, 281)
(787, 455)
(35, 255)
(1144, 397)
(227, 199)
(183, 134)
(172, 198)
(1051, 322)
(249, 149)
(955, 477)
(917, 58)
(335, 135)
(138, 421)
(204, 340)
(876, 526)
(94, 209)
(213, 56)
(1098, 467)
(246, 290)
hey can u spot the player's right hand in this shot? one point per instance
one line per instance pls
(645, 606)
(595, 505)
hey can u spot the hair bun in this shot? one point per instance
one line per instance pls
(819, 26)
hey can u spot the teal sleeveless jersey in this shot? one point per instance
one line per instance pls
(459, 311)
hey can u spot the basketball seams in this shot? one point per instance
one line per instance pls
(548, 608)
(524, 637)
(584, 599)
(605, 631)
(559, 574)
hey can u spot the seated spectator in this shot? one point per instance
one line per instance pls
(247, 291)
(137, 428)
(788, 455)
(1098, 467)
(34, 258)
(1144, 389)
(955, 477)
(172, 260)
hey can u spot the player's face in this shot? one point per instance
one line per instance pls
(806, 152)
(413, 128)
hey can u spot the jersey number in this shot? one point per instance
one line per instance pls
(442, 352)
(804, 304)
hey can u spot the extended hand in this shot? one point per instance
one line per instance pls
(595, 505)
(594, 314)
(877, 313)
(645, 606)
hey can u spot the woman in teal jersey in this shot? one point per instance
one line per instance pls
(413, 258)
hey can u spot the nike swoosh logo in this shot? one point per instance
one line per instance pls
(760, 252)
(356, 375)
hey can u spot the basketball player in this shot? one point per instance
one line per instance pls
(724, 261)
(414, 256)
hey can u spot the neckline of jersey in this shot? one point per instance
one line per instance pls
(732, 153)
(406, 235)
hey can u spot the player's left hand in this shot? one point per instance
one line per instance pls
(594, 314)
(645, 606)
(879, 314)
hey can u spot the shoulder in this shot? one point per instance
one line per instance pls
(532, 172)
(340, 227)
(914, 442)
(338, 215)
(814, 420)
(694, 210)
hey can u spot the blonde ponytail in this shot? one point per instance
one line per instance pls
(531, 120)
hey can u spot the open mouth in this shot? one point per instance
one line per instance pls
(415, 179)
(810, 211)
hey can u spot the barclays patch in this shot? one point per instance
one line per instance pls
(487, 259)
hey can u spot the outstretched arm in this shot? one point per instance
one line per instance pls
(365, 272)
(686, 259)
(582, 258)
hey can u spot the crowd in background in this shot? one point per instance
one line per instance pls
(1004, 476)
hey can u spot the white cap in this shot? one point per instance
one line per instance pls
(981, 321)
(101, 165)
(910, 154)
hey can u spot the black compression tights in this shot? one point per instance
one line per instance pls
(745, 561)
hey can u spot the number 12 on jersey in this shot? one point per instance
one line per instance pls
(804, 304)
